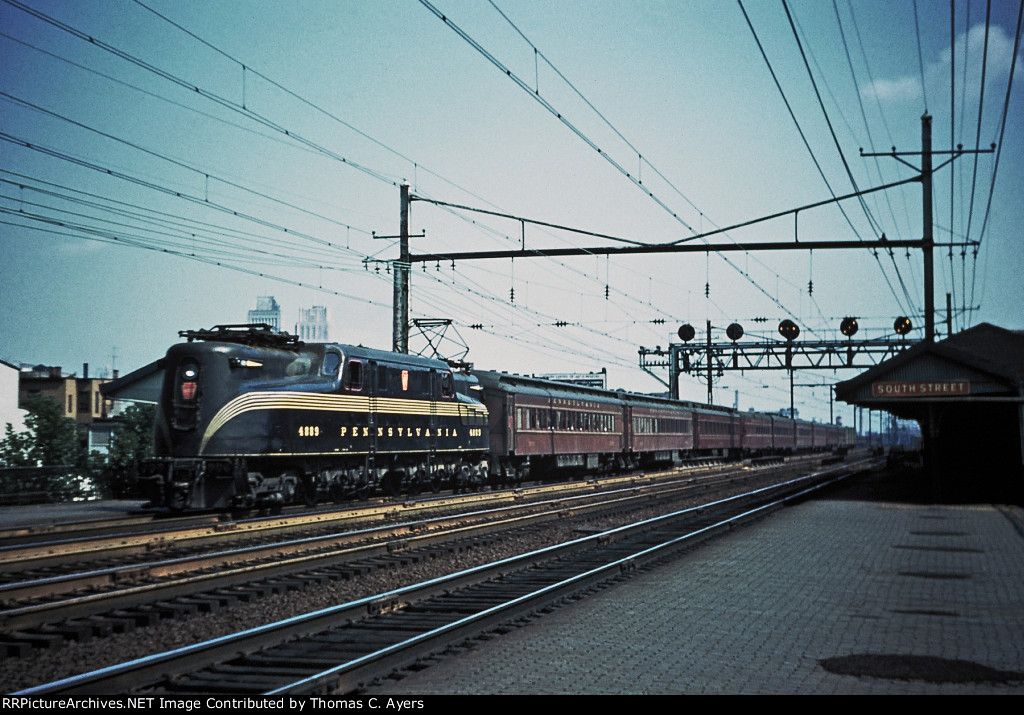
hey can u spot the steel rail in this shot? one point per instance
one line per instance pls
(188, 575)
(106, 545)
(147, 670)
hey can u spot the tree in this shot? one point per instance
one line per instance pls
(49, 439)
(132, 441)
(15, 449)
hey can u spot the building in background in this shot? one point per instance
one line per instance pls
(10, 413)
(79, 396)
(267, 311)
(312, 325)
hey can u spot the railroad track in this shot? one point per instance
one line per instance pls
(340, 648)
(49, 546)
(39, 611)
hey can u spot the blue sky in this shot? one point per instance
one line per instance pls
(270, 138)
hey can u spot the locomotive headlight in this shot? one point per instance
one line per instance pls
(188, 373)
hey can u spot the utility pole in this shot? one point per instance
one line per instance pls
(400, 319)
(710, 401)
(927, 239)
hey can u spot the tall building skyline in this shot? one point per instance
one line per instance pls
(312, 325)
(267, 311)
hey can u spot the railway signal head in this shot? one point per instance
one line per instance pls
(734, 331)
(902, 325)
(686, 333)
(848, 327)
(788, 329)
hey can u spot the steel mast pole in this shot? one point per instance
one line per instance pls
(928, 238)
(710, 400)
(400, 318)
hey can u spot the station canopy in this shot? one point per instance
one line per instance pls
(983, 364)
(967, 394)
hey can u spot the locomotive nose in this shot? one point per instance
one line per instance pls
(186, 394)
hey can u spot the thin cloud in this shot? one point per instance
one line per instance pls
(969, 45)
(893, 90)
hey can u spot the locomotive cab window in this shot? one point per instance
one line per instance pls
(354, 375)
(332, 361)
(447, 386)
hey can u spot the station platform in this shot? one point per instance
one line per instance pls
(840, 595)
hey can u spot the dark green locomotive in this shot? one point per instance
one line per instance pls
(252, 418)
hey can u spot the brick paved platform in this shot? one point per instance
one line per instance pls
(912, 599)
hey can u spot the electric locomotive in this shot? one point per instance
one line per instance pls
(253, 418)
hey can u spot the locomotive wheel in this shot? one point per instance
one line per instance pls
(467, 480)
(391, 485)
(417, 482)
(338, 493)
(307, 491)
(290, 490)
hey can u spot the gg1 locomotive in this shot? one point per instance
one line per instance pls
(249, 417)
(252, 418)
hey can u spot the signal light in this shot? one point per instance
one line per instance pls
(902, 325)
(788, 329)
(686, 333)
(848, 327)
(734, 331)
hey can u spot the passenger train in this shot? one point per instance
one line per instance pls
(252, 418)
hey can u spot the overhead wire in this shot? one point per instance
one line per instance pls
(108, 237)
(535, 94)
(160, 188)
(282, 87)
(977, 145)
(849, 173)
(920, 57)
(166, 75)
(803, 136)
(1002, 130)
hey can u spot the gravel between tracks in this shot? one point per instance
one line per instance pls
(45, 666)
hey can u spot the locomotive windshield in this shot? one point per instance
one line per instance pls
(332, 361)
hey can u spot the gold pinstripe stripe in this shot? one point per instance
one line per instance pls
(256, 401)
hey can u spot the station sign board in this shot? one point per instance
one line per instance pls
(922, 388)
